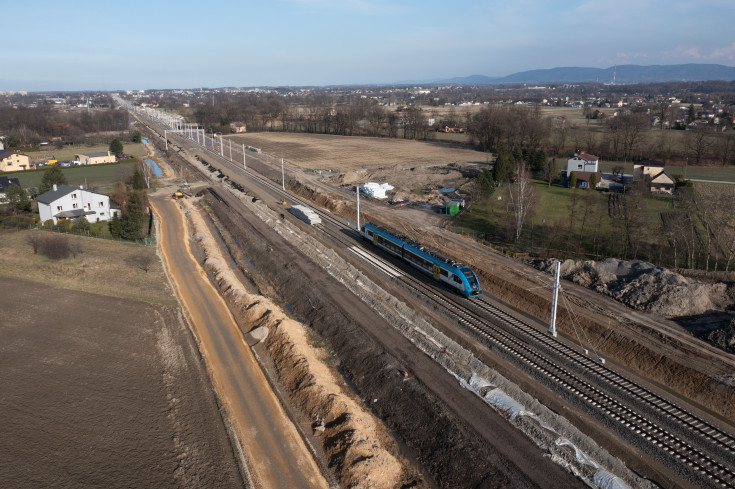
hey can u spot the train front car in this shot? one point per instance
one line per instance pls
(472, 288)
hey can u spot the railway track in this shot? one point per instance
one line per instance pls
(696, 449)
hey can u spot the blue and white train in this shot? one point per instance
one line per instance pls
(453, 274)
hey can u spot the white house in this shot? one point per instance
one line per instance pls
(582, 162)
(67, 202)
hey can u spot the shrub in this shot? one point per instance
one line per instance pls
(55, 247)
(49, 224)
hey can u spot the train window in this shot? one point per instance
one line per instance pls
(456, 278)
(443, 272)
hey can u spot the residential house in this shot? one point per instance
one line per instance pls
(582, 162)
(14, 161)
(654, 172)
(95, 158)
(68, 202)
(238, 127)
(6, 182)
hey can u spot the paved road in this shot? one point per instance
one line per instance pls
(276, 455)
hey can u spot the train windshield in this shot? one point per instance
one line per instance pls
(471, 278)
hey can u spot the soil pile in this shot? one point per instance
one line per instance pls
(421, 184)
(644, 286)
(351, 436)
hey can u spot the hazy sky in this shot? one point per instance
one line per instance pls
(81, 45)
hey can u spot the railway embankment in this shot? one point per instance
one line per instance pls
(611, 332)
(443, 443)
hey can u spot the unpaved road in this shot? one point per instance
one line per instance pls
(276, 455)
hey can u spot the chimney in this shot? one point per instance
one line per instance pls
(55, 189)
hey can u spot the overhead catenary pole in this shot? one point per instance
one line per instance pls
(283, 176)
(244, 164)
(554, 297)
(230, 149)
(165, 137)
(357, 191)
(221, 145)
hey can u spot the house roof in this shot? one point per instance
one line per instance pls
(6, 182)
(666, 174)
(61, 191)
(6, 153)
(93, 155)
(584, 176)
(586, 157)
(654, 163)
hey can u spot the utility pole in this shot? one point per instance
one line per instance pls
(554, 297)
(357, 192)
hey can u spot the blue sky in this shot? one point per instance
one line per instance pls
(84, 45)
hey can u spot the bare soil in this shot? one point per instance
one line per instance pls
(100, 391)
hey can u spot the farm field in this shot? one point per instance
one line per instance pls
(343, 153)
(102, 380)
(92, 175)
(68, 151)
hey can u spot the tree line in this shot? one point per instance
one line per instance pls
(25, 126)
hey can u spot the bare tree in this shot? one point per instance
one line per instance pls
(35, 240)
(698, 142)
(143, 261)
(522, 196)
(146, 172)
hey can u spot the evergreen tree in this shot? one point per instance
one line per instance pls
(138, 182)
(17, 198)
(116, 227)
(503, 168)
(692, 114)
(135, 136)
(116, 147)
(486, 182)
(573, 179)
(593, 181)
(52, 175)
(134, 225)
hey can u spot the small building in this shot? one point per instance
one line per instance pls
(238, 127)
(68, 202)
(643, 168)
(583, 178)
(14, 161)
(582, 162)
(6, 182)
(663, 183)
(95, 158)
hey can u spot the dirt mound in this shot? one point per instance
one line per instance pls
(351, 436)
(644, 286)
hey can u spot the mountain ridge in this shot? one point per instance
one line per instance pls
(620, 74)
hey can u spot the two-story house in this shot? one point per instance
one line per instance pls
(584, 165)
(68, 202)
(14, 161)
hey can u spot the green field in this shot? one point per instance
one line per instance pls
(93, 175)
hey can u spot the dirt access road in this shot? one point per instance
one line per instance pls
(275, 454)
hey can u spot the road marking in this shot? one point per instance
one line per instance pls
(375, 261)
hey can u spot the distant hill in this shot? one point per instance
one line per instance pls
(624, 74)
